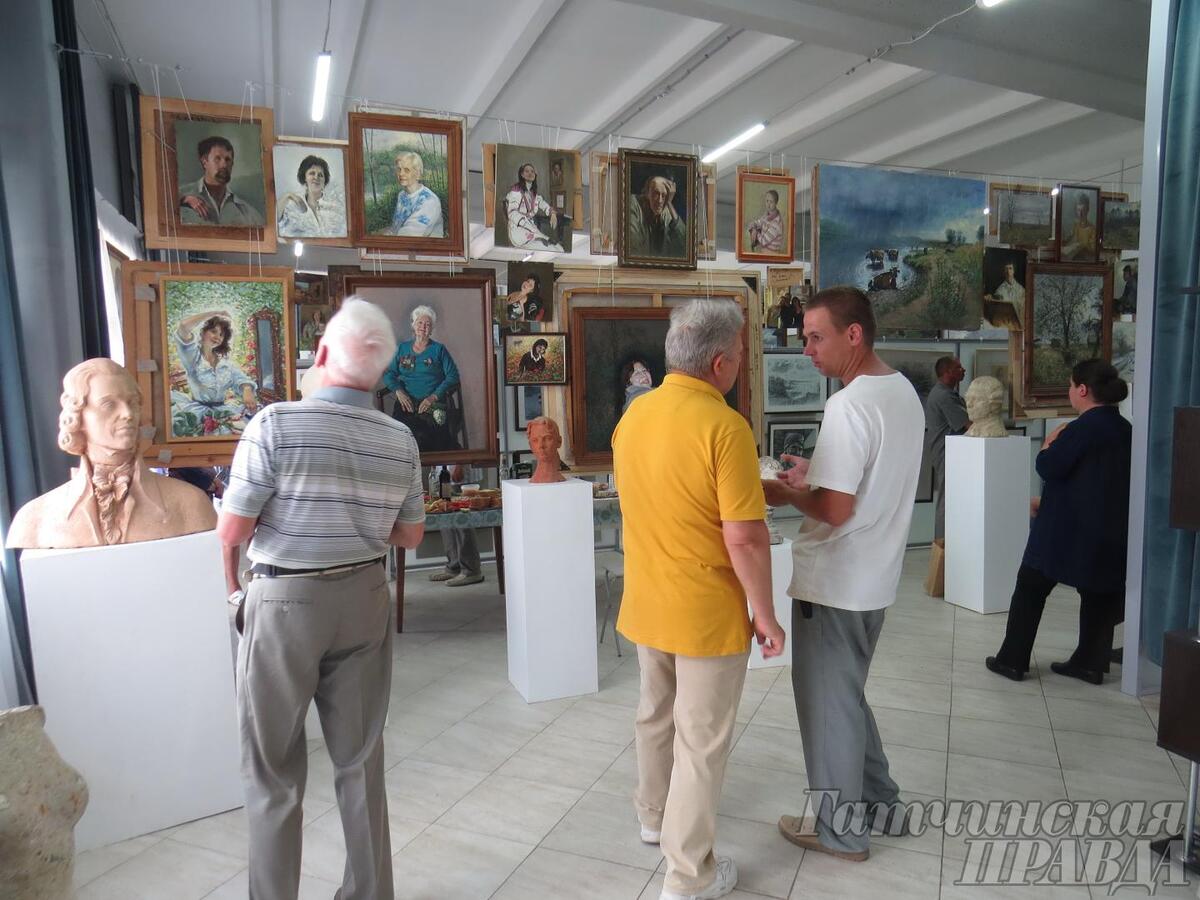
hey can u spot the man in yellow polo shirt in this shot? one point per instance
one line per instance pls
(696, 549)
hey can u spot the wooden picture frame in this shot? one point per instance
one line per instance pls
(757, 228)
(636, 246)
(593, 406)
(1076, 248)
(521, 394)
(170, 130)
(463, 303)
(524, 364)
(375, 136)
(146, 354)
(289, 152)
(604, 184)
(1063, 310)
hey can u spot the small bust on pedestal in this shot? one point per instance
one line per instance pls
(985, 402)
(544, 441)
(113, 497)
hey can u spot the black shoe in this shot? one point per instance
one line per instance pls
(1073, 671)
(1000, 668)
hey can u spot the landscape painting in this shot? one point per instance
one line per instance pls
(1021, 215)
(1069, 321)
(1122, 225)
(913, 242)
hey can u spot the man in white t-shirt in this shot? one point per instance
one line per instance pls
(857, 497)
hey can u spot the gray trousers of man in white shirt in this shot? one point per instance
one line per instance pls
(328, 638)
(831, 654)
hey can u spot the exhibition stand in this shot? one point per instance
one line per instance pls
(130, 647)
(551, 589)
(987, 519)
(781, 577)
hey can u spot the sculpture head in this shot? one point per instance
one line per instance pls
(545, 440)
(101, 409)
(985, 399)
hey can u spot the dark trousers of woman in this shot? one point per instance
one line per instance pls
(1099, 614)
(428, 433)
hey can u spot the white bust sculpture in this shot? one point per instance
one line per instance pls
(41, 799)
(113, 497)
(985, 404)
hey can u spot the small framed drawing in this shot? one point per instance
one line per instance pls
(406, 184)
(535, 358)
(792, 438)
(527, 401)
(207, 181)
(657, 217)
(310, 191)
(1076, 235)
(791, 383)
(766, 221)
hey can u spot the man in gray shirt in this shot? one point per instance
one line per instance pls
(945, 413)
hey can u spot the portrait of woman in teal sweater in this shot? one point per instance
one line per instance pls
(420, 375)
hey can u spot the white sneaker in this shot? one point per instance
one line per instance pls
(650, 836)
(722, 885)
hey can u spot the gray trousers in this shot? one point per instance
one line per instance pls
(328, 638)
(462, 551)
(831, 653)
(939, 514)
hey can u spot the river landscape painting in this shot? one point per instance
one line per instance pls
(913, 242)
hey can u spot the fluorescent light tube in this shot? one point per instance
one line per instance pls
(321, 86)
(735, 143)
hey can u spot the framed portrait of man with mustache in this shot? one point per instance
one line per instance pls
(207, 181)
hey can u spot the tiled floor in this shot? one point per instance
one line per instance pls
(492, 798)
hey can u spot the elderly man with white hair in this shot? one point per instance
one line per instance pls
(696, 550)
(321, 488)
(655, 227)
(418, 210)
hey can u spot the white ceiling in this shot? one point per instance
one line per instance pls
(1031, 88)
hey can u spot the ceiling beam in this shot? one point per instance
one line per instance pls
(838, 101)
(275, 96)
(345, 37)
(946, 52)
(529, 22)
(611, 112)
(742, 58)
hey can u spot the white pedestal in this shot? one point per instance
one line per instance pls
(550, 588)
(130, 650)
(781, 577)
(987, 519)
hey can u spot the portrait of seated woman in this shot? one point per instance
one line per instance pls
(422, 374)
(220, 398)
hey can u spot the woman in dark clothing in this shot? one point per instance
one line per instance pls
(1080, 533)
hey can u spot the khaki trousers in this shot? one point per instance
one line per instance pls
(326, 638)
(684, 725)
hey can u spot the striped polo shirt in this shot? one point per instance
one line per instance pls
(327, 478)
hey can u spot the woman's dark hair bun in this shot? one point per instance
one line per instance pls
(1102, 380)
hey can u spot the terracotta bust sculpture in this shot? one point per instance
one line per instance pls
(985, 402)
(113, 497)
(41, 799)
(544, 441)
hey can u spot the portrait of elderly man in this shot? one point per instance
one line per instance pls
(113, 498)
(656, 227)
(210, 200)
(321, 488)
(696, 551)
(418, 210)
